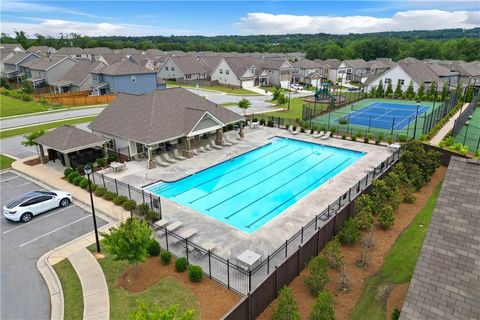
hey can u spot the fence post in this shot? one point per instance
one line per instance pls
(393, 125)
(349, 194)
(228, 273)
(374, 172)
(186, 249)
(298, 260)
(466, 132)
(166, 237)
(159, 207)
(103, 178)
(268, 264)
(151, 201)
(286, 248)
(301, 238)
(129, 193)
(209, 265)
(93, 178)
(316, 221)
(328, 212)
(276, 282)
(369, 123)
(143, 196)
(116, 185)
(249, 280)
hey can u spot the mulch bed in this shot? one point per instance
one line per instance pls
(214, 300)
(344, 303)
(32, 162)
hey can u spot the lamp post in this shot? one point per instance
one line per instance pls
(416, 119)
(88, 171)
(289, 89)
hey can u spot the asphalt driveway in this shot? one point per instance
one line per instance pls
(24, 294)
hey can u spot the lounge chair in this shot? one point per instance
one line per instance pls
(214, 145)
(229, 141)
(208, 147)
(318, 135)
(326, 135)
(161, 223)
(195, 152)
(160, 162)
(175, 225)
(177, 155)
(290, 128)
(202, 149)
(167, 158)
(297, 131)
(188, 233)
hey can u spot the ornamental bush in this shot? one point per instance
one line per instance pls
(153, 248)
(408, 196)
(83, 183)
(119, 200)
(152, 216)
(332, 253)
(109, 195)
(99, 192)
(101, 162)
(129, 205)
(195, 273)
(142, 209)
(364, 219)
(349, 235)
(317, 276)
(72, 176)
(386, 219)
(76, 180)
(166, 257)
(323, 307)
(287, 308)
(181, 264)
(67, 171)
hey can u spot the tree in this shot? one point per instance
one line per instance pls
(244, 104)
(130, 241)
(379, 92)
(276, 93)
(155, 312)
(444, 92)
(332, 253)
(421, 91)
(287, 308)
(323, 307)
(386, 218)
(389, 90)
(27, 87)
(317, 276)
(409, 93)
(344, 283)
(398, 90)
(432, 91)
(349, 234)
(282, 99)
(30, 139)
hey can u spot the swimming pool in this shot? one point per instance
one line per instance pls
(250, 190)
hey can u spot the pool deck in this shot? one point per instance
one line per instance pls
(230, 241)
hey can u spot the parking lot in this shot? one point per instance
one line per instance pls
(24, 294)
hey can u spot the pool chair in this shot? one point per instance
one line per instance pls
(188, 233)
(208, 147)
(173, 226)
(214, 145)
(318, 135)
(160, 224)
(195, 152)
(177, 155)
(167, 158)
(229, 141)
(160, 161)
(297, 131)
(202, 149)
(290, 128)
(326, 135)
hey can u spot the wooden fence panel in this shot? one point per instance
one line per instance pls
(80, 100)
(263, 296)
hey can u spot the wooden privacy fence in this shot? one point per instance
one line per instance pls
(78, 98)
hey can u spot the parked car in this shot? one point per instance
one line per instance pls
(24, 207)
(296, 86)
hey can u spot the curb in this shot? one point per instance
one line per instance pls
(54, 286)
(53, 111)
(47, 122)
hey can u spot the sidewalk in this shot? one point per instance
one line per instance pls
(446, 128)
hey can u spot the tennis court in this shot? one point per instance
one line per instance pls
(385, 115)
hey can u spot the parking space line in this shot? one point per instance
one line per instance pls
(36, 220)
(23, 184)
(55, 230)
(8, 179)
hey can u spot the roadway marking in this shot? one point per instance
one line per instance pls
(35, 220)
(23, 184)
(8, 179)
(55, 230)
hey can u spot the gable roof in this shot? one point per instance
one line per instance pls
(124, 67)
(306, 64)
(356, 63)
(69, 138)
(420, 72)
(98, 50)
(240, 65)
(442, 71)
(190, 64)
(69, 51)
(212, 61)
(45, 63)
(42, 49)
(19, 57)
(11, 46)
(80, 71)
(160, 115)
(333, 63)
(111, 58)
(274, 64)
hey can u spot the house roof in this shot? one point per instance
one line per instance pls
(356, 63)
(111, 58)
(127, 51)
(18, 57)
(160, 115)
(333, 63)
(98, 50)
(306, 64)
(11, 46)
(44, 63)
(69, 138)
(408, 60)
(442, 71)
(273, 64)
(212, 61)
(155, 52)
(240, 65)
(420, 72)
(465, 69)
(190, 64)
(124, 67)
(69, 51)
(42, 49)
(80, 71)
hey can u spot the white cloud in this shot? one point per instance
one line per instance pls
(53, 27)
(18, 6)
(266, 23)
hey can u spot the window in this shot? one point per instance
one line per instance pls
(166, 68)
(401, 82)
(220, 71)
(172, 68)
(78, 55)
(349, 70)
(388, 80)
(111, 144)
(95, 77)
(188, 76)
(133, 78)
(227, 71)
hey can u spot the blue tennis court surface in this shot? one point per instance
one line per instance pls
(384, 115)
(251, 189)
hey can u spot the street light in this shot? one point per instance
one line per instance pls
(416, 119)
(88, 171)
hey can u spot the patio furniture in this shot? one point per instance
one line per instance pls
(254, 125)
(393, 147)
(160, 162)
(226, 143)
(161, 223)
(116, 166)
(177, 155)
(229, 141)
(202, 149)
(215, 145)
(318, 135)
(297, 131)
(167, 158)
(249, 259)
(208, 147)
(175, 225)
(188, 233)
(290, 128)
(195, 152)
(326, 135)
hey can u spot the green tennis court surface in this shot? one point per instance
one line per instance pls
(469, 135)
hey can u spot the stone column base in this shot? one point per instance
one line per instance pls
(152, 164)
(187, 153)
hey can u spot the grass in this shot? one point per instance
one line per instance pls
(72, 290)
(228, 104)
(398, 264)
(25, 130)
(5, 162)
(295, 111)
(164, 293)
(239, 91)
(14, 107)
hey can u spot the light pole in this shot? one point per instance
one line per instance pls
(289, 89)
(88, 171)
(416, 119)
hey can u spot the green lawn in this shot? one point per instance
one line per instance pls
(398, 264)
(72, 290)
(239, 91)
(164, 293)
(228, 104)
(5, 162)
(295, 111)
(24, 130)
(13, 107)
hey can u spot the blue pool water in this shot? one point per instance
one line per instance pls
(250, 190)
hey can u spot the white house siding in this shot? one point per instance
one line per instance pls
(170, 74)
(395, 74)
(332, 75)
(224, 78)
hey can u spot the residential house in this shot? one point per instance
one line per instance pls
(352, 70)
(279, 72)
(124, 76)
(43, 71)
(127, 51)
(330, 69)
(238, 72)
(211, 61)
(46, 51)
(111, 58)
(145, 60)
(448, 76)
(73, 52)
(5, 54)
(142, 125)
(15, 65)
(78, 78)
(188, 68)
(96, 53)
(466, 70)
(380, 65)
(12, 46)
(307, 72)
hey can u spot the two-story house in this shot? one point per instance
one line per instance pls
(307, 71)
(15, 65)
(78, 78)
(43, 71)
(279, 71)
(352, 70)
(237, 72)
(187, 68)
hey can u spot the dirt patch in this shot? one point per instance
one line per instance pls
(32, 162)
(396, 297)
(344, 303)
(214, 300)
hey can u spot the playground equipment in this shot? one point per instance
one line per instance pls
(323, 93)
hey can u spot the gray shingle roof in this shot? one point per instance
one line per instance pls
(190, 64)
(80, 71)
(306, 64)
(69, 51)
(420, 72)
(157, 116)
(333, 63)
(239, 65)
(44, 63)
(42, 49)
(442, 71)
(124, 67)
(98, 50)
(356, 63)
(18, 57)
(111, 58)
(273, 64)
(69, 138)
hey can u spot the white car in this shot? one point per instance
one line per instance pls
(24, 207)
(296, 86)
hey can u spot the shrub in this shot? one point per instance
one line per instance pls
(255, 119)
(195, 273)
(294, 128)
(72, 176)
(153, 248)
(344, 136)
(93, 186)
(101, 162)
(354, 138)
(386, 218)
(302, 130)
(152, 215)
(181, 264)
(67, 171)
(364, 219)
(142, 209)
(112, 158)
(343, 121)
(365, 139)
(323, 307)
(119, 200)
(80, 169)
(129, 205)
(349, 234)
(83, 183)
(287, 308)
(395, 314)
(402, 138)
(408, 196)
(317, 276)
(99, 192)
(389, 140)
(270, 123)
(332, 253)
(76, 180)
(166, 257)
(109, 195)
(27, 97)
(262, 122)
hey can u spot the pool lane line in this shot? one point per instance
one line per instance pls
(251, 224)
(281, 186)
(222, 175)
(235, 181)
(256, 184)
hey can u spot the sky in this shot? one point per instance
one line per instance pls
(209, 18)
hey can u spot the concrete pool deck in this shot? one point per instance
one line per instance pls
(229, 241)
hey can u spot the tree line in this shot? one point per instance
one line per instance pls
(447, 44)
